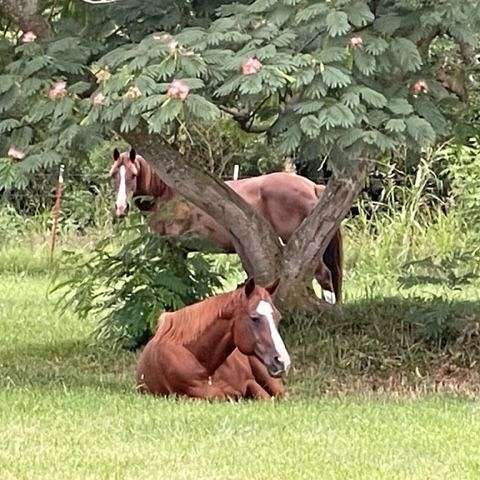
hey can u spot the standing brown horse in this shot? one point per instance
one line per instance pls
(284, 199)
(193, 350)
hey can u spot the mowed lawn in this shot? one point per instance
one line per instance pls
(68, 410)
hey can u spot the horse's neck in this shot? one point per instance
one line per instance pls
(150, 184)
(215, 342)
(214, 345)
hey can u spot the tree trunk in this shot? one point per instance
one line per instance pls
(253, 237)
(25, 14)
(258, 246)
(305, 249)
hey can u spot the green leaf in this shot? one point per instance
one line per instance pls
(9, 124)
(6, 82)
(364, 62)
(351, 99)
(309, 106)
(406, 54)
(350, 137)
(129, 122)
(168, 112)
(337, 23)
(420, 130)
(317, 89)
(338, 115)
(260, 6)
(396, 125)
(331, 54)
(202, 108)
(383, 142)
(388, 24)
(311, 126)
(304, 77)
(334, 77)
(359, 14)
(290, 139)
(375, 46)
(399, 106)
(376, 99)
(313, 11)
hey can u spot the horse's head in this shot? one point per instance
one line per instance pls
(124, 171)
(255, 328)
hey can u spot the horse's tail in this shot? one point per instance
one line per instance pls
(333, 256)
(333, 259)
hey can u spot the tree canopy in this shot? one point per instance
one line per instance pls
(320, 78)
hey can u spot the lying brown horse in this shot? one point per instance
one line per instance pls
(200, 351)
(284, 199)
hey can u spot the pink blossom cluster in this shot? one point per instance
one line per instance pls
(98, 99)
(28, 37)
(16, 153)
(178, 89)
(251, 66)
(356, 42)
(58, 90)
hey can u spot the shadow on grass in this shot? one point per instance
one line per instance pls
(74, 364)
(386, 343)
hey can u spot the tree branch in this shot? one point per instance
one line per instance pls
(304, 251)
(216, 199)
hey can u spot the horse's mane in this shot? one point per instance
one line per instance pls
(149, 182)
(187, 324)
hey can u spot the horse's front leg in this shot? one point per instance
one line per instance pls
(254, 390)
(272, 386)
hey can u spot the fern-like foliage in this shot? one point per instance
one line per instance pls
(371, 67)
(125, 283)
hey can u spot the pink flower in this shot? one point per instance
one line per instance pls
(251, 66)
(98, 99)
(133, 93)
(29, 37)
(58, 90)
(167, 39)
(356, 42)
(16, 153)
(420, 86)
(178, 89)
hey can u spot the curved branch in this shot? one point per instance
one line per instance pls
(304, 250)
(214, 197)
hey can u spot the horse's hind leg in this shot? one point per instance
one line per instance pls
(172, 369)
(324, 278)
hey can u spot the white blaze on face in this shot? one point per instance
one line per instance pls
(266, 310)
(121, 203)
(329, 297)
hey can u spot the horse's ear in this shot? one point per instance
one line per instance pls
(116, 154)
(272, 288)
(133, 155)
(249, 287)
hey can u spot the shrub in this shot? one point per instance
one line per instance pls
(128, 280)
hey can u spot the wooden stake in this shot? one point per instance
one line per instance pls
(56, 210)
(236, 171)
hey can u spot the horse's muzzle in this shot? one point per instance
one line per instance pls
(121, 212)
(276, 368)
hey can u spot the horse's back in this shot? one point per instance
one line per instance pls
(284, 199)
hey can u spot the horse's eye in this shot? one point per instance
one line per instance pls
(255, 318)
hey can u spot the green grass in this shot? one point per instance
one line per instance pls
(371, 395)
(68, 409)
